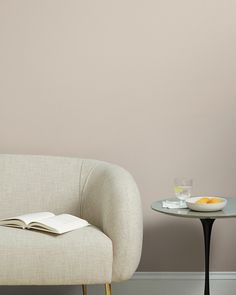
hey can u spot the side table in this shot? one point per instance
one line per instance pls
(207, 219)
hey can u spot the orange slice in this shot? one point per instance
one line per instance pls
(203, 200)
(214, 201)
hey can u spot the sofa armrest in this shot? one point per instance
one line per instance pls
(111, 201)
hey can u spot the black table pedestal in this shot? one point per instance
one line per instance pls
(207, 226)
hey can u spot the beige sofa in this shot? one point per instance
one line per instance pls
(104, 194)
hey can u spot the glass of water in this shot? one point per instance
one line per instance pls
(183, 189)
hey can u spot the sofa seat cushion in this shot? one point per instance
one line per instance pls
(28, 257)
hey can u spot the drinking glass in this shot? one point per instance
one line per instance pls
(183, 189)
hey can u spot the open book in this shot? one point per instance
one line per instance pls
(46, 221)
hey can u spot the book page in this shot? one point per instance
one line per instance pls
(26, 218)
(60, 224)
(13, 223)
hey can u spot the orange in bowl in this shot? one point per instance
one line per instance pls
(214, 201)
(206, 203)
(203, 200)
(207, 200)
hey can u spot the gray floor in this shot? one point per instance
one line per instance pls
(133, 287)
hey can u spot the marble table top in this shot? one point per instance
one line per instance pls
(227, 212)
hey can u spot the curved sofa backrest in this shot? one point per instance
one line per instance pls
(31, 183)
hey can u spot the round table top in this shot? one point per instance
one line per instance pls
(227, 212)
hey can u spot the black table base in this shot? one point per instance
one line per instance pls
(207, 226)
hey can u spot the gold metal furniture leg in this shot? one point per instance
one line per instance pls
(108, 289)
(84, 287)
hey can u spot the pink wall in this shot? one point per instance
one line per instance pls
(149, 85)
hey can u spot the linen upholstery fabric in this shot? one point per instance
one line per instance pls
(34, 258)
(39, 183)
(111, 201)
(104, 194)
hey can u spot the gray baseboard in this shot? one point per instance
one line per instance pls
(145, 283)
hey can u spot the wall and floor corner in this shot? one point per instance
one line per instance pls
(180, 283)
(147, 85)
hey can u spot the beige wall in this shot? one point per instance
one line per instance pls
(149, 85)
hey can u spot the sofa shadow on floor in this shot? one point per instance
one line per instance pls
(52, 290)
(38, 290)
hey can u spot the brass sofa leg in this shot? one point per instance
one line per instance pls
(108, 289)
(84, 287)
